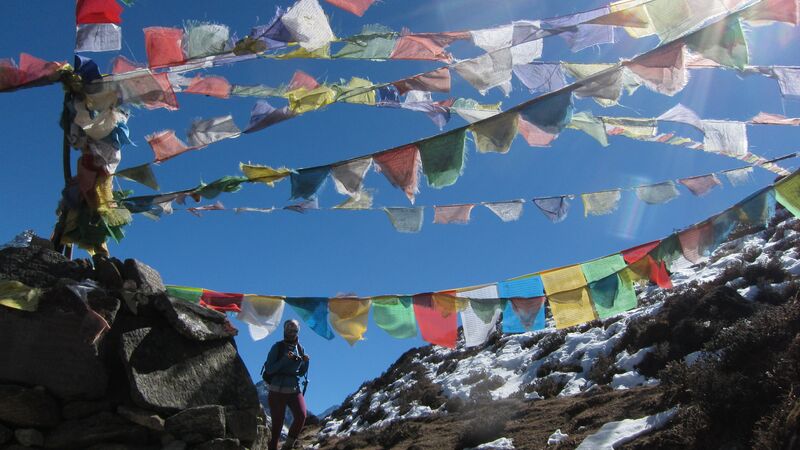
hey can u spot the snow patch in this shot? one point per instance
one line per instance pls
(617, 433)
(557, 437)
(498, 444)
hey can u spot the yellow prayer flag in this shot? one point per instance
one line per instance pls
(264, 174)
(640, 12)
(568, 296)
(14, 294)
(349, 317)
(264, 305)
(367, 97)
(787, 193)
(303, 100)
(320, 53)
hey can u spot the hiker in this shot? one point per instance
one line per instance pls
(285, 364)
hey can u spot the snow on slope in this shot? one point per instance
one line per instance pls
(529, 364)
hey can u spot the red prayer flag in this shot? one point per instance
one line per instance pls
(401, 167)
(32, 68)
(221, 301)
(425, 46)
(166, 145)
(634, 254)
(778, 10)
(304, 80)
(98, 11)
(214, 86)
(357, 7)
(436, 81)
(437, 319)
(645, 265)
(535, 136)
(163, 46)
(121, 64)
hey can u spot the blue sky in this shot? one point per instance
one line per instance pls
(326, 253)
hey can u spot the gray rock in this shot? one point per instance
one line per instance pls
(262, 438)
(197, 424)
(175, 445)
(40, 267)
(29, 437)
(147, 279)
(53, 346)
(100, 428)
(168, 372)
(194, 321)
(107, 271)
(27, 407)
(220, 444)
(84, 408)
(242, 424)
(5, 434)
(141, 417)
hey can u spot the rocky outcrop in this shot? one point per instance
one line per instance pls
(109, 361)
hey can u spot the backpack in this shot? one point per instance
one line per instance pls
(268, 377)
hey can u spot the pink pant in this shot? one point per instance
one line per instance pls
(278, 402)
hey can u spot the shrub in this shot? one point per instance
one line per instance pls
(549, 386)
(603, 370)
(549, 343)
(395, 433)
(551, 366)
(483, 428)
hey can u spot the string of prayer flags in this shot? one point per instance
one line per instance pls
(308, 25)
(601, 203)
(535, 136)
(406, 220)
(610, 293)
(98, 26)
(196, 210)
(436, 318)
(443, 158)
(507, 211)
(357, 7)
(656, 194)
(524, 309)
(262, 314)
(568, 296)
(306, 182)
(349, 317)
(554, 208)
(701, 185)
(452, 214)
(401, 167)
(395, 316)
(479, 326)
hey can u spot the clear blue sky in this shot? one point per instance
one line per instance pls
(327, 253)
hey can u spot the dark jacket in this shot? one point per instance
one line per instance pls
(286, 372)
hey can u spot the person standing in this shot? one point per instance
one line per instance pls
(286, 363)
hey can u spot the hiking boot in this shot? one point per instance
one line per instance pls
(289, 443)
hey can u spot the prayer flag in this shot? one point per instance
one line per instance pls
(662, 70)
(524, 308)
(479, 318)
(302, 79)
(773, 10)
(452, 214)
(506, 211)
(307, 182)
(221, 301)
(757, 209)
(728, 138)
(487, 71)
(701, 185)
(496, 133)
(406, 220)
(189, 294)
(348, 178)
(349, 317)
(591, 125)
(738, 177)
(787, 192)
(788, 80)
(164, 46)
(213, 86)
(554, 208)
(261, 314)
(576, 30)
(425, 46)
(682, 114)
(359, 91)
(610, 293)
(374, 42)
(98, 11)
(205, 132)
(357, 7)
(601, 203)
(401, 167)
(695, 241)
(166, 145)
(550, 113)
(774, 119)
(443, 158)
(98, 37)
(395, 315)
(263, 115)
(264, 174)
(535, 136)
(303, 100)
(205, 39)
(309, 26)
(541, 77)
(568, 296)
(141, 174)
(435, 81)
(657, 194)
(722, 42)
(603, 82)
(314, 313)
(16, 295)
(360, 200)
(437, 319)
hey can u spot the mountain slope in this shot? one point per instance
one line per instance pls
(664, 353)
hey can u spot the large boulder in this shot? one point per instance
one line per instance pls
(27, 407)
(199, 424)
(55, 346)
(40, 267)
(168, 372)
(148, 280)
(242, 424)
(194, 321)
(100, 428)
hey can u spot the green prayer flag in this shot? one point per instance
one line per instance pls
(374, 42)
(224, 184)
(722, 42)
(787, 193)
(586, 121)
(395, 315)
(496, 134)
(443, 158)
(189, 294)
(141, 174)
(610, 293)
